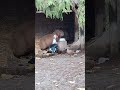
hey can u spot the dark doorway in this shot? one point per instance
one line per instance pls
(69, 26)
(90, 19)
(47, 25)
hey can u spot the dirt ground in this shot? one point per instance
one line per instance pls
(14, 82)
(107, 77)
(60, 72)
(23, 82)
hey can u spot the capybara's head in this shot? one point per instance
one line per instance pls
(59, 33)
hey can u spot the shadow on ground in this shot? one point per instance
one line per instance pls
(107, 77)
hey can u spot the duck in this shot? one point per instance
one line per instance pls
(54, 46)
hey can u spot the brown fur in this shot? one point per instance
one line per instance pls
(46, 41)
(59, 33)
(23, 39)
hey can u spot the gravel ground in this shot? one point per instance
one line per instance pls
(23, 82)
(60, 72)
(107, 77)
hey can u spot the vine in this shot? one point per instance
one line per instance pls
(56, 8)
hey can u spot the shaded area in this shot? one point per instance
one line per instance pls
(18, 83)
(14, 13)
(107, 77)
(104, 44)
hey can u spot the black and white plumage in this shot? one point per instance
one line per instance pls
(54, 47)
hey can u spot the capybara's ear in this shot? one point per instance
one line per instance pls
(58, 32)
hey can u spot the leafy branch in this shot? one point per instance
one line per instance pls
(56, 8)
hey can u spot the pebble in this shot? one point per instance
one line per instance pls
(7, 76)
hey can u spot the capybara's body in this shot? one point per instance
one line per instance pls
(23, 39)
(45, 41)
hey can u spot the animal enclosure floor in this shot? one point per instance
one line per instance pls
(105, 78)
(23, 82)
(60, 72)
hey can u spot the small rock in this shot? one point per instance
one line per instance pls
(90, 71)
(97, 67)
(70, 52)
(36, 72)
(51, 59)
(37, 83)
(111, 86)
(72, 82)
(102, 60)
(75, 54)
(81, 62)
(6, 76)
(54, 81)
(77, 51)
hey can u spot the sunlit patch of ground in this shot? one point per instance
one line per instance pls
(60, 72)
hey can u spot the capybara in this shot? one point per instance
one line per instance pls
(45, 41)
(23, 39)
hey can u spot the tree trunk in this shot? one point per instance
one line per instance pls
(105, 43)
(108, 41)
(114, 38)
(79, 34)
(76, 28)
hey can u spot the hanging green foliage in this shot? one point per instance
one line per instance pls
(55, 9)
(81, 13)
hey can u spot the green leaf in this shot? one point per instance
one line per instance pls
(55, 9)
